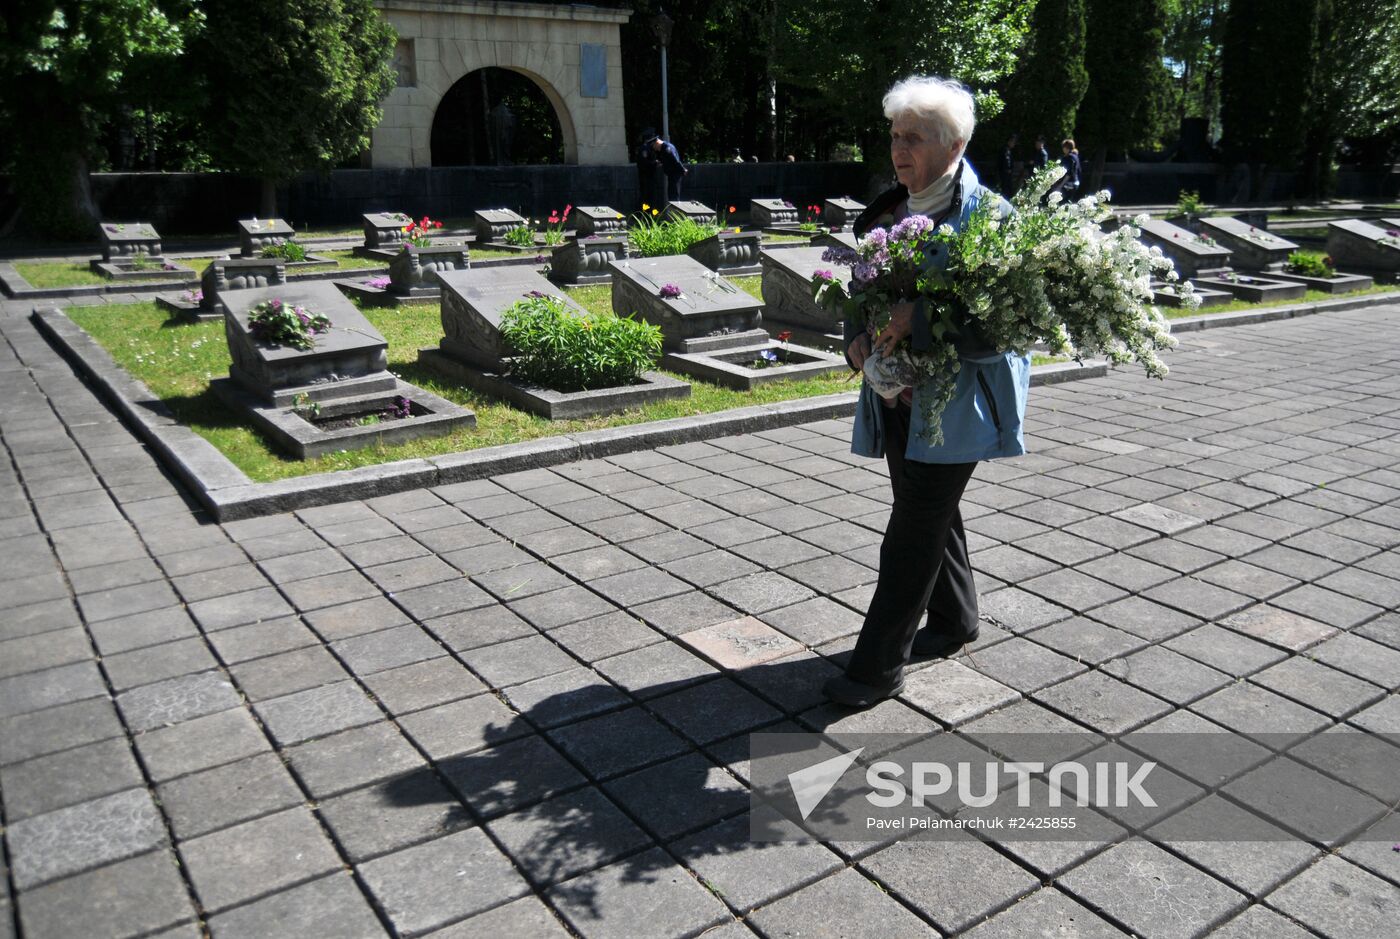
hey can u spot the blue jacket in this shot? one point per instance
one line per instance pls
(984, 419)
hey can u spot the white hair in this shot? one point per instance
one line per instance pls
(943, 104)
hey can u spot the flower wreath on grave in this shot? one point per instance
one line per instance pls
(1043, 273)
(278, 323)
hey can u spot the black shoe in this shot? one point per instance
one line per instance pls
(929, 642)
(845, 690)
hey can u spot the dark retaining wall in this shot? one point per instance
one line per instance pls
(181, 203)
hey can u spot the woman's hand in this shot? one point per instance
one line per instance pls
(858, 351)
(900, 326)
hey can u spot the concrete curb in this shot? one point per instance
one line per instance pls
(229, 494)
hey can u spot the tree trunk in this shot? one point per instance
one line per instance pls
(267, 207)
(83, 207)
(1093, 182)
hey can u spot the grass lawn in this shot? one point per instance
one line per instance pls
(177, 360)
(45, 275)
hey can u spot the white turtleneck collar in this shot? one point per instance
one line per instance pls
(935, 199)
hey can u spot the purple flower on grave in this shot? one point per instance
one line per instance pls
(770, 355)
(1392, 232)
(670, 291)
(111, 228)
(379, 283)
(842, 256)
(402, 407)
(540, 257)
(536, 295)
(1395, 847)
(171, 267)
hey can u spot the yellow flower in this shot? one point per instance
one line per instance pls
(645, 206)
(736, 231)
(619, 215)
(653, 212)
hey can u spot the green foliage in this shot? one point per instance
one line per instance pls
(1193, 42)
(564, 351)
(1268, 65)
(294, 85)
(653, 239)
(522, 236)
(1050, 80)
(286, 251)
(278, 323)
(1123, 54)
(1188, 202)
(1311, 264)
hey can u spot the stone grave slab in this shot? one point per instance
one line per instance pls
(1363, 246)
(255, 234)
(221, 276)
(1162, 295)
(773, 213)
(473, 352)
(757, 364)
(1337, 283)
(352, 354)
(711, 314)
(835, 239)
(492, 225)
(1253, 248)
(840, 214)
(128, 239)
(384, 233)
(734, 253)
(598, 220)
(585, 260)
(415, 270)
(1190, 253)
(695, 211)
(338, 395)
(1253, 288)
(787, 289)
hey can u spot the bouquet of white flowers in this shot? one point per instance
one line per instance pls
(1046, 273)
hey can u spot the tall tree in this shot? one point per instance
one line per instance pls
(1268, 65)
(1194, 37)
(847, 53)
(1123, 53)
(64, 65)
(293, 85)
(1356, 91)
(1049, 82)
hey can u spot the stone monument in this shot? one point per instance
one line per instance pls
(840, 214)
(787, 290)
(492, 224)
(773, 213)
(733, 253)
(256, 234)
(585, 259)
(1252, 248)
(132, 251)
(695, 211)
(1192, 254)
(1358, 245)
(598, 220)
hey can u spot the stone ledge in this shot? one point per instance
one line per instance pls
(228, 493)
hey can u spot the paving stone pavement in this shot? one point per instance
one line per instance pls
(519, 706)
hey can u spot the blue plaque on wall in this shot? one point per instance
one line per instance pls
(593, 70)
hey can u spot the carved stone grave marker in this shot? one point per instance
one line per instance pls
(772, 213)
(695, 211)
(1191, 254)
(1254, 249)
(131, 251)
(255, 234)
(385, 230)
(729, 252)
(841, 213)
(125, 240)
(1364, 246)
(787, 289)
(492, 224)
(710, 313)
(585, 260)
(598, 220)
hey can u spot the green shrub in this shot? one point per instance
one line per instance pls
(558, 349)
(522, 236)
(1311, 264)
(1188, 202)
(653, 239)
(286, 251)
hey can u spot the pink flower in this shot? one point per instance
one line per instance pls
(670, 291)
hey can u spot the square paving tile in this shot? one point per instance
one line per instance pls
(565, 697)
(355, 619)
(654, 669)
(346, 760)
(38, 690)
(560, 607)
(1023, 665)
(650, 888)
(1103, 703)
(226, 795)
(510, 775)
(128, 898)
(420, 888)
(201, 743)
(329, 908)
(177, 699)
(423, 684)
(1258, 712)
(258, 857)
(1167, 674)
(317, 712)
(815, 621)
(864, 910)
(278, 675)
(567, 835)
(953, 693)
(67, 778)
(1333, 692)
(1225, 650)
(1299, 798)
(975, 880)
(714, 710)
(1049, 912)
(128, 670)
(79, 837)
(484, 626)
(388, 648)
(1152, 892)
(393, 814)
(602, 637)
(1085, 640)
(616, 743)
(1197, 833)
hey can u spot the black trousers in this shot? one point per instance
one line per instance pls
(673, 188)
(923, 560)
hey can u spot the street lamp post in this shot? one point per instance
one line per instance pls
(661, 26)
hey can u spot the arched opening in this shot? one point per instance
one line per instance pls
(496, 117)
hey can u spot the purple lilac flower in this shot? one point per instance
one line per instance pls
(913, 227)
(843, 256)
(876, 238)
(670, 291)
(865, 272)
(536, 295)
(378, 283)
(824, 275)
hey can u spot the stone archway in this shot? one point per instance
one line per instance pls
(572, 53)
(500, 117)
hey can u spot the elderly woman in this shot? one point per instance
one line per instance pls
(924, 564)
